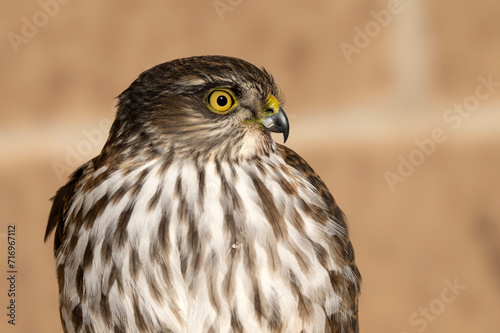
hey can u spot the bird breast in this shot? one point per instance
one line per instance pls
(192, 247)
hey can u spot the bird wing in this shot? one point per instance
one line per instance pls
(61, 202)
(346, 287)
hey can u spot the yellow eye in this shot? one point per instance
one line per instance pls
(220, 100)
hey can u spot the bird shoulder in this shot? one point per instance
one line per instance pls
(62, 201)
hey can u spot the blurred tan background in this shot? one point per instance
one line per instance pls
(359, 93)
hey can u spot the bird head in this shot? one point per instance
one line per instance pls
(206, 106)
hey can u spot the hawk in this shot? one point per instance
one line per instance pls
(192, 219)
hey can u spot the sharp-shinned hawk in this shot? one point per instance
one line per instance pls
(192, 219)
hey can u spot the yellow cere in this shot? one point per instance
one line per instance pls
(221, 100)
(272, 103)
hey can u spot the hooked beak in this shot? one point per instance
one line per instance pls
(273, 118)
(277, 123)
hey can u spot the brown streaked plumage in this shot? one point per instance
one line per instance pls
(192, 219)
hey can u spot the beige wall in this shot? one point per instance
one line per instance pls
(351, 120)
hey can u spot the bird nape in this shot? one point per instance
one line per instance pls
(192, 219)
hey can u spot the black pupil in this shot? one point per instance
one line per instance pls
(222, 100)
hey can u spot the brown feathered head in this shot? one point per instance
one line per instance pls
(207, 106)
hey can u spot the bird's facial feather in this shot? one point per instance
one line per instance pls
(170, 106)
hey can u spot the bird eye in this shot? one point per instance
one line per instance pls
(220, 100)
